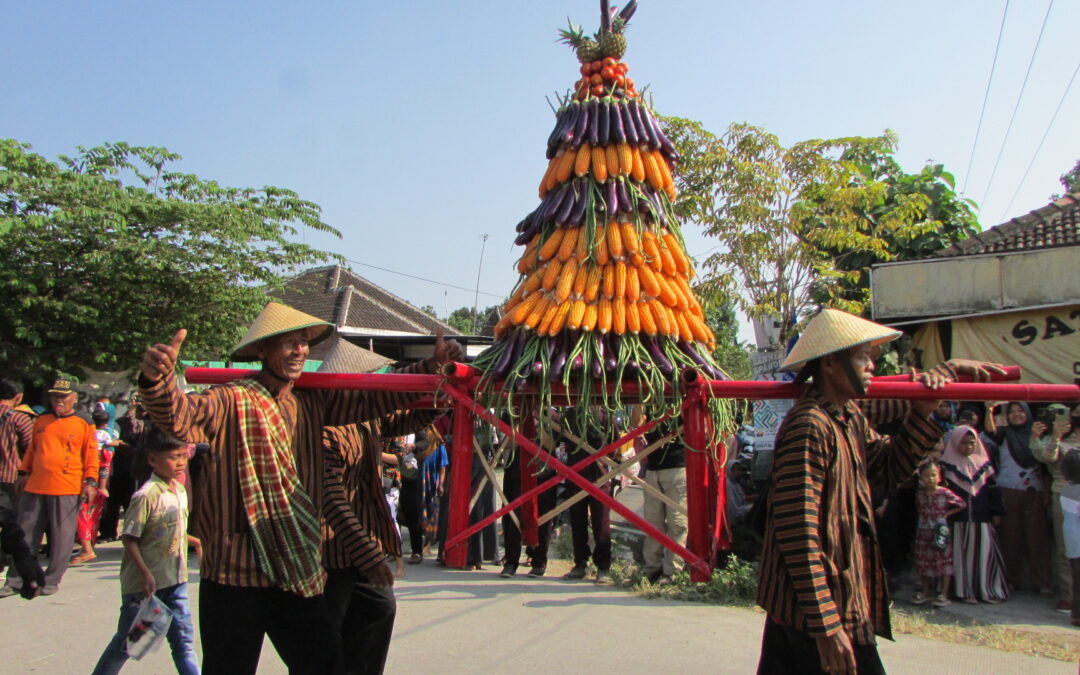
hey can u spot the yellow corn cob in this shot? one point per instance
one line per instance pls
(614, 240)
(581, 162)
(685, 331)
(633, 284)
(608, 281)
(660, 317)
(602, 255)
(588, 320)
(536, 313)
(533, 282)
(695, 308)
(652, 172)
(612, 156)
(620, 280)
(568, 244)
(577, 313)
(599, 164)
(547, 176)
(580, 279)
(626, 158)
(603, 315)
(666, 295)
(528, 261)
(665, 173)
(503, 324)
(648, 324)
(551, 274)
(518, 294)
(637, 168)
(673, 322)
(559, 320)
(667, 261)
(566, 166)
(700, 330)
(681, 261)
(633, 320)
(649, 284)
(581, 252)
(566, 281)
(682, 303)
(549, 316)
(630, 237)
(526, 306)
(551, 244)
(618, 316)
(592, 283)
(652, 250)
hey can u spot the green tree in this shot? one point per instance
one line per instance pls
(1070, 180)
(467, 322)
(719, 310)
(109, 251)
(782, 215)
(430, 311)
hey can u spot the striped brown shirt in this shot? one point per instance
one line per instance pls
(357, 530)
(16, 432)
(219, 517)
(821, 568)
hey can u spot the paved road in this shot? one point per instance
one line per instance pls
(474, 622)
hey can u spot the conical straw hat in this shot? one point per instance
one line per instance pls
(833, 331)
(276, 319)
(345, 357)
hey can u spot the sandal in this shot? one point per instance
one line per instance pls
(941, 601)
(83, 558)
(415, 559)
(919, 598)
(971, 601)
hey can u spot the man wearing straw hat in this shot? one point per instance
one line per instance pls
(822, 583)
(261, 489)
(359, 534)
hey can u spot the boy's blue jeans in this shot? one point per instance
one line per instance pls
(181, 635)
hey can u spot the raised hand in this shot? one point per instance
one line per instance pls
(979, 370)
(160, 360)
(446, 350)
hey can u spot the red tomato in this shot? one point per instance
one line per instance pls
(610, 61)
(620, 81)
(586, 69)
(623, 67)
(607, 72)
(597, 90)
(595, 79)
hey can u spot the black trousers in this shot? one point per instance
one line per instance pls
(482, 545)
(364, 616)
(786, 651)
(409, 514)
(545, 501)
(233, 621)
(121, 487)
(590, 512)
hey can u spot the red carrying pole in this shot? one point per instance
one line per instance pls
(461, 450)
(695, 434)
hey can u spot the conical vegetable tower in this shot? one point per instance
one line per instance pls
(604, 297)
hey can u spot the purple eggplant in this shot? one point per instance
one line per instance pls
(577, 215)
(628, 11)
(567, 135)
(651, 127)
(578, 363)
(631, 367)
(537, 367)
(635, 116)
(502, 364)
(609, 352)
(568, 203)
(594, 122)
(624, 196)
(596, 368)
(652, 344)
(628, 125)
(528, 233)
(554, 202)
(618, 132)
(688, 349)
(667, 147)
(612, 197)
(557, 362)
(581, 125)
(603, 122)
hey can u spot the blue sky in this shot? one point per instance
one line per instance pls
(421, 126)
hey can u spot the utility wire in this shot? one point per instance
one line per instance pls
(986, 97)
(1019, 97)
(430, 281)
(1041, 141)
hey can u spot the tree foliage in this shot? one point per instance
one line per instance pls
(793, 221)
(109, 251)
(1070, 180)
(467, 322)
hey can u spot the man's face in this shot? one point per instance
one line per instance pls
(943, 411)
(62, 404)
(284, 355)
(862, 365)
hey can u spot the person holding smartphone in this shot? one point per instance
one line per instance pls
(1063, 437)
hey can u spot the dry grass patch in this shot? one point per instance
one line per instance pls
(935, 626)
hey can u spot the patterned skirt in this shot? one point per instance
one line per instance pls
(980, 568)
(931, 561)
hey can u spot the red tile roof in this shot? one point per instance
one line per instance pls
(1056, 224)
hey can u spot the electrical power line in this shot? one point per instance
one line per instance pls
(1041, 141)
(1016, 107)
(986, 96)
(430, 281)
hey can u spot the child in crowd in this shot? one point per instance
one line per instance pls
(155, 555)
(933, 549)
(1070, 508)
(90, 512)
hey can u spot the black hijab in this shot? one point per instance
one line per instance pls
(1019, 437)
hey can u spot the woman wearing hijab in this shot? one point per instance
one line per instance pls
(978, 567)
(1023, 482)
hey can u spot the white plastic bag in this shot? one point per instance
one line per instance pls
(149, 628)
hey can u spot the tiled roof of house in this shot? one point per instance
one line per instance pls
(1056, 224)
(348, 300)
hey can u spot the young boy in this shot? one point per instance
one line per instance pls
(155, 555)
